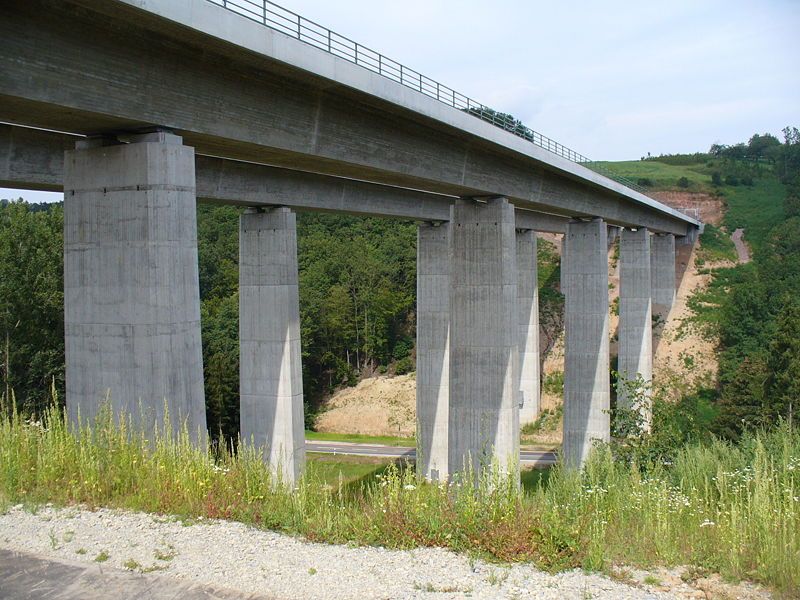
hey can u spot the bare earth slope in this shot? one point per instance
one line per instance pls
(376, 406)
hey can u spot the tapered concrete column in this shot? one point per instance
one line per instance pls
(131, 290)
(635, 320)
(586, 376)
(484, 355)
(662, 269)
(271, 410)
(528, 298)
(433, 349)
(563, 267)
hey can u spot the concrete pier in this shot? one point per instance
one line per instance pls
(635, 319)
(484, 356)
(528, 299)
(586, 373)
(433, 349)
(271, 410)
(563, 266)
(131, 290)
(662, 269)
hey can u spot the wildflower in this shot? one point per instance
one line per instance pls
(707, 523)
(409, 486)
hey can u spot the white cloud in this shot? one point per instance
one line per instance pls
(612, 79)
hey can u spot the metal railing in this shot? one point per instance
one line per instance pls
(290, 23)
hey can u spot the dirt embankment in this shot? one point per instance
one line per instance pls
(681, 352)
(376, 406)
(711, 208)
(387, 406)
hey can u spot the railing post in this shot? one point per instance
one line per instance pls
(329, 42)
(355, 50)
(380, 64)
(401, 74)
(298, 26)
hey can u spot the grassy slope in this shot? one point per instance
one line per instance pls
(386, 440)
(756, 210)
(351, 470)
(664, 176)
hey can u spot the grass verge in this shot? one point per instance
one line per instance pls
(733, 509)
(385, 440)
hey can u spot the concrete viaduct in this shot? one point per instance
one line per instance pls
(136, 109)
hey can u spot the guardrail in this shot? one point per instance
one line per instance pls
(290, 23)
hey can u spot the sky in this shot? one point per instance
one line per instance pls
(612, 80)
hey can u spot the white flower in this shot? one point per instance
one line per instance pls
(707, 523)
(409, 486)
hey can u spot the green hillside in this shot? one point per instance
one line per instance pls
(752, 310)
(663, 176)
(754, 203)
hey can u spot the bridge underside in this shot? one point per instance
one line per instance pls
(33, 159)
(131, 298)
(155, 115)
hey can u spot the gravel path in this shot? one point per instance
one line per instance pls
(232, 555)
(742, 251)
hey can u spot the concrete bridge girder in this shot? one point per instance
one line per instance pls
(55, 56)
(33, 159)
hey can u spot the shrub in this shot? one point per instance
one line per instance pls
(404, 366)
(645, 182)
(747, 180)
(716, 178)
(615, 306)
(732, 180)
(683, 182)
(548, 420)
(553, 383)
(402, 348)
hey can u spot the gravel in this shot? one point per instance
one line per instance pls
(239, 557)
